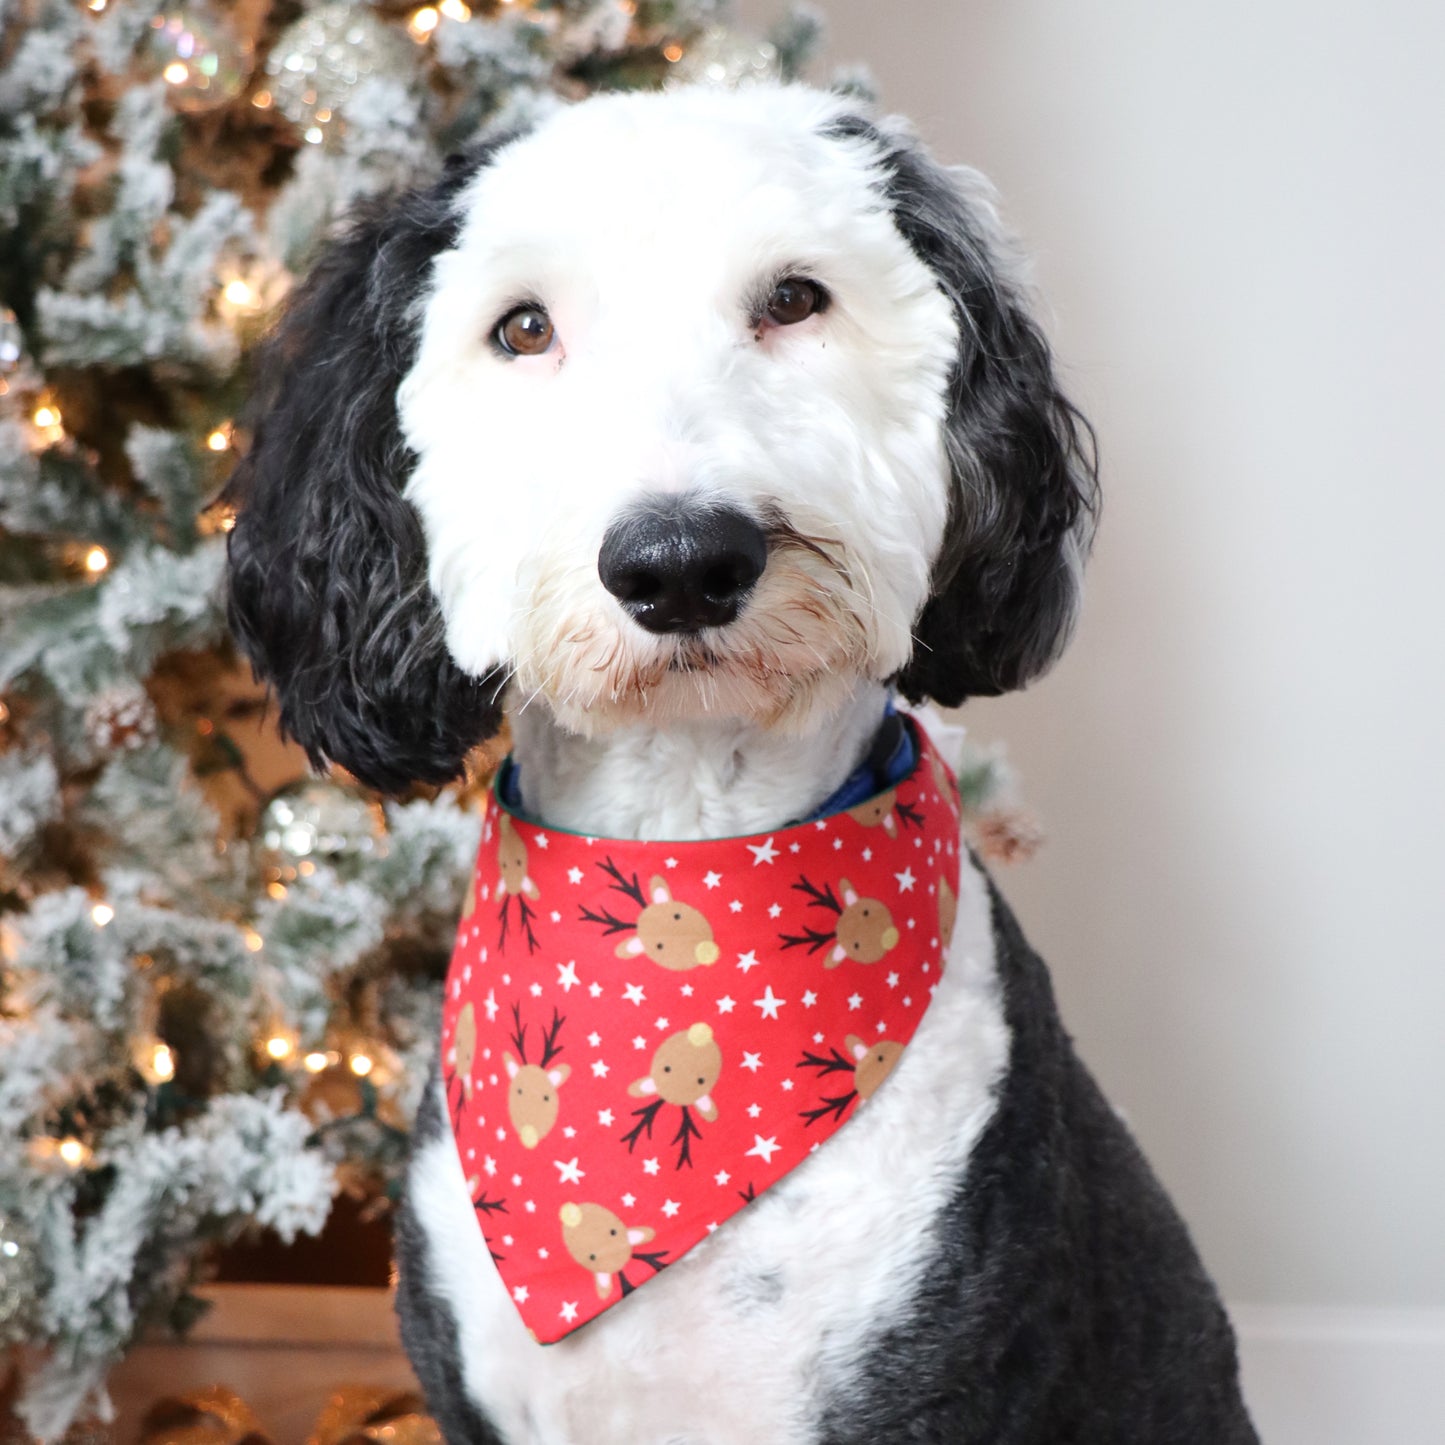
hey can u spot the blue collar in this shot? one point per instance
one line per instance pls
(889, 760)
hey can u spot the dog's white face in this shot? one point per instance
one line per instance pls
(644, 237)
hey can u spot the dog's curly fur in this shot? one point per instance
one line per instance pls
(420, 517)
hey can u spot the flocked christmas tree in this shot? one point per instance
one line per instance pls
(218, 978)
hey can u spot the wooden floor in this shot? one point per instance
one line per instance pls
(1313, 1376)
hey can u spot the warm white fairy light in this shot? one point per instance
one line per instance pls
(254, 942)
(279, 1047)
(220, 439)
(97, 559)
(361, 1065)
(314, 1062)
(163, 1062)
(176, 73)
(73, 1152)
(101, 914)
(422, 23)
(455, 10)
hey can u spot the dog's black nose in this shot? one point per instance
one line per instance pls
(678, 565)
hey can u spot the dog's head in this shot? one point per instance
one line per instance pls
(699, 402)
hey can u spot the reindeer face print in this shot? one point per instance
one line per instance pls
(464, 1046)
(947, 914)
(534, 1090)
(864, 1065)
(862, 929)
(600, 1242)
(865, 929)
(665, 930)
(515, 884)
(877, 810)
(874, 1062)
(512, 860)
(684, 1070)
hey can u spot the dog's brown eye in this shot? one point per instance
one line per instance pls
(795, 299)
(527, 331)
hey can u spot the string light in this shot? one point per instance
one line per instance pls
(101, 914)
(455, 10)
(4, 711)
(672, 53)
(279, 1047)
(163, 1062)
(254, 942)
(73, 1152)
(314, 1062)
(422, 23)
(97, 559)
(262, 100)
(361, 1065)
(219, 440)
(276, 890)
(176, 73)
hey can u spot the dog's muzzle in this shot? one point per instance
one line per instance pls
(679, 565)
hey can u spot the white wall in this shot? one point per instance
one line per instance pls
(1239, 217)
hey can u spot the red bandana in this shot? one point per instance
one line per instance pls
(639, 1038)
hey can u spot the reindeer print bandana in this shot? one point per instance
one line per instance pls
(639, 1038)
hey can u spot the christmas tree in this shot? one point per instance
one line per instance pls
(218, 978)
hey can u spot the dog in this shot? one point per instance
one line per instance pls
(689, 428)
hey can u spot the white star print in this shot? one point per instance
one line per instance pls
(633, 993)
(569, 1132)
(774, 910)
(809, 999)
(712, 1229)
(467, 974)
(669, 862)
(908, 1000)
(639, 1042)
(650, 1166)
(595, 989)
(913, 923)
(520, 1294)
(569, 1311)
(536, 990)
(762, 852)
(491, 1005)
(490, 1165)
(892, 980)
(711, 880)
(906, 880)
(660, 1023)
(542, 1254)
(795, 847)
(670, 1208)
(599, 1069)
(855, 1000)
(721, 1177)
(686, 990)
(530, 1206)
(764, 1149)
(882, 1029)
(726, 1005)
(752, 1062)
(594, 1039)
(817, 1038)
(574, 875)
(867, 855)
(748, 960)
(571, 1174)
(628, 1200)
(567, 976)
(555, 916)
(787, 1086)
(541, 841)
(604, 1117)
(837, 843)
(753, 1111)
(736, 906)
(770, 1003)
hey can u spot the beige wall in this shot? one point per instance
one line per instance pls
(1239, 215)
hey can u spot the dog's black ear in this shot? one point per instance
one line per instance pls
(1024, 498)
(328, 570)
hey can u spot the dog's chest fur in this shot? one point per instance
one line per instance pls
(766, 1326)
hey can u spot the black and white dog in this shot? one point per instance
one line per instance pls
(772, 352)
